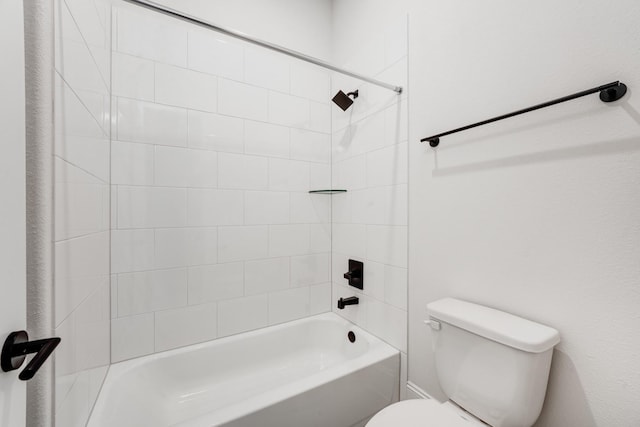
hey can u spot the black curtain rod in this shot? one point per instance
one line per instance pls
(608, 93)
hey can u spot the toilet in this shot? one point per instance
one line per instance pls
(492, 366)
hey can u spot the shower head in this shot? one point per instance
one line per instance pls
(342, 99)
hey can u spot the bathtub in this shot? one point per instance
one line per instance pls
(304, 373)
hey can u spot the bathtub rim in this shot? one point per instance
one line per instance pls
(378, 351)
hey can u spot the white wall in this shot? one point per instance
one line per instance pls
(216, 145)
(82, 141)
(302, 25)
(538, 215)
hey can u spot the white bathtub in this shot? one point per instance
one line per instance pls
(304, 373)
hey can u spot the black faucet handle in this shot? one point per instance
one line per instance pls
(15, 350)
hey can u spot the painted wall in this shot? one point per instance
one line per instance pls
(216, 145)
(275, 21)
(82, 206)
(538, 215)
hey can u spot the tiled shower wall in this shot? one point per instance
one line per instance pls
(370, 161)
(216, 144)
(82, 127)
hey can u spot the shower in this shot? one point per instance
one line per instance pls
(343, 100)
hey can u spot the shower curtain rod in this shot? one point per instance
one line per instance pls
(147, 4)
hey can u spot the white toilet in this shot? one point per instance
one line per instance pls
(493, 367)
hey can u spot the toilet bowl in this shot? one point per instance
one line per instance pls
(473, 346)
(423, 413)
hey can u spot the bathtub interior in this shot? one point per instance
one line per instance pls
(235, 376)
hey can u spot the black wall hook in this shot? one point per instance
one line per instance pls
(15, 350)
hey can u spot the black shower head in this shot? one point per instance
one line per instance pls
(342, 99)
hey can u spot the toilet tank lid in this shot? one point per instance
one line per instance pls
(496, 325)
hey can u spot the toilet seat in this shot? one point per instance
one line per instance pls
(422, 413)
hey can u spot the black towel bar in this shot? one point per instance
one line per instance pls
(608, 93)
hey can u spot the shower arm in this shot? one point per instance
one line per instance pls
(156, 7)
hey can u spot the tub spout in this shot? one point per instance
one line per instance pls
(342, 302)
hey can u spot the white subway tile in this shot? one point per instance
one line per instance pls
(309, 269)
(387, 244)
(319, 175)
(350, 240)
(131, 163)
(395, 286)
(70, 292)
(288, 110)
(388, 166)
(131, 337)
(179, 167)
(310, 208)
(79, 137)
(396, 123)
(266, 275)
(374, 275)
(243, 243)
(351, 174)
(288, 175)
(242, 171)
(242, 100)
(264, 139)
(320, 298)
(288, 240)
(132, 250)
(341, 208)
(186, 88)
(288, 305)
(266, 69)
(216, 54)
(73, 58)
(132, 77)
(86, 256)
(310, 146)
(172, 247)
(185, 326)
(319, 117)
(114, 296)
(215, 132)
(319, 238)
(242, 314)
(208, 283)
(310, 82)
(388, 323)
(266, 207)
(381, 205)
(81, 204)
(140, 121)
(203, 245)
(214, 207)
(171, 167)
(149, 291)
(202, 169)
(151, 207)
(152, 36)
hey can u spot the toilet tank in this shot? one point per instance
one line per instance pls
(493, 364)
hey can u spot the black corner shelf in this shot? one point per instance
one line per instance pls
(331, 191)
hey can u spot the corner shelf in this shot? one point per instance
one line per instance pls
(331, 191)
